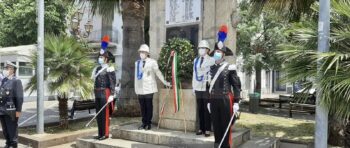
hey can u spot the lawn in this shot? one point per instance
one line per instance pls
(261, 125)
(280, 127)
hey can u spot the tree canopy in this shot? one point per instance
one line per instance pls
(18, 20)
(257, 38)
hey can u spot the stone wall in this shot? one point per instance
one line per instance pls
(215, 14)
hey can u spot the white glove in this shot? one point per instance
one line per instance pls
(110, 99)
(193, 92)
(235, 108)
(208, 106)
(117, 89)
(167, 84)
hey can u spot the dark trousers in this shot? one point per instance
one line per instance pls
(221, 111)
(146, 106)
(202, 98)
(9, 129)
(103, 118)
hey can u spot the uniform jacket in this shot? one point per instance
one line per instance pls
(227, 81)
(11, 93)
(147, 83)
(202, 72)
(105, 79)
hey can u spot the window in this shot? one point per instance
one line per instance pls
(189, 32)
(25, 69)
(279, 86)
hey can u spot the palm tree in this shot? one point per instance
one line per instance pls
(300, 58)
(67, 71)
(291, 9)
(133, 13)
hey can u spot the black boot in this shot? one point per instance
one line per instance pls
(148, 127)
(207, 134)
(199, 132)
(143, 126)
(103, 138)
(11, 146)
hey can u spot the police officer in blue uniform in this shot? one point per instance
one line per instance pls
(11, 100)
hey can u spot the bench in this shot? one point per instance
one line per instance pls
(79, 105)
(302, 103)
(280, 100)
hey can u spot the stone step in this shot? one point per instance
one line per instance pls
(2, 143)
(260, 142)
(66, 145)
(89, 142)
(171, 137)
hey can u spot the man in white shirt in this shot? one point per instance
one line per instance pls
(146, 69)
(201, 68)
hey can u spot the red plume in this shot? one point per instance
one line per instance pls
(105, 38)
(223, 28)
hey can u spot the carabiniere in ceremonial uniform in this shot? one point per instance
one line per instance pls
(223, 101)
(11, 100)
(104, 89)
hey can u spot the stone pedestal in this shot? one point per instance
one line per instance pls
(188, 110)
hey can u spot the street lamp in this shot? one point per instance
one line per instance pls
(75, 25)
(88, 27)
(79, 14)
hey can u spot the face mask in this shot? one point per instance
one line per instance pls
(217, 56)
(143, 56)
(202, 51)
(5, 73)
(101, 61)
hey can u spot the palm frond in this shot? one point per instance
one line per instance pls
(69, 67)
(105, 8)
(292, 9)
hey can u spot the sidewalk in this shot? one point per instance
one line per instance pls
(51, 114)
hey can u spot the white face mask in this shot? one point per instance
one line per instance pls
(143, 56)
(5, 73)
(202, 51)
(217, 56)
(101, 61)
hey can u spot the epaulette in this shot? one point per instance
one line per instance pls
(110, 69)
(232, 67)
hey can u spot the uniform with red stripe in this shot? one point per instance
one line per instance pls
(222, 98)
(104, 89)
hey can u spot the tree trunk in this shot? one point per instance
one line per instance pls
(257, 88)
(133, 33)
(347, 134)
(63, 111)
(336, 132)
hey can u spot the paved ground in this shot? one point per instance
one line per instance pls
(51, 114)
